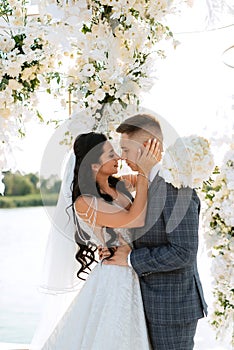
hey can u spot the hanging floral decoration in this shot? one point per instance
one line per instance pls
(188, 162)
(111, 49)
(26, 59)
(98, 56)
(25, 56)
(218, 222)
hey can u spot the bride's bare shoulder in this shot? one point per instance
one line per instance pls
(83, 203)
(86, 203)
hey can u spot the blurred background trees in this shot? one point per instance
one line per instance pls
(25, 190)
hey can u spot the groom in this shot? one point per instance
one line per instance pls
(165, 249)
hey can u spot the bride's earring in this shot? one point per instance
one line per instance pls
(95, 168)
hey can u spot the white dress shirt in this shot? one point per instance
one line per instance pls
(153, 172)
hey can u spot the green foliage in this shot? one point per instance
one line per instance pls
(30, 200)
(17, 184)
(50, 185)
(5, 8)
(29, 190)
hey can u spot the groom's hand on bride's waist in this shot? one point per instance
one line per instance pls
(120, 257)
(104, 252)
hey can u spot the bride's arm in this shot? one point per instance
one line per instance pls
(111, 216)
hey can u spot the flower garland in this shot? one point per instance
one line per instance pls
(26, 57)
(188, 162)
(110, 50)
(219, 239)
(106, 52)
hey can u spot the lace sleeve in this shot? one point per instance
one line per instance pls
(86, 224)
(90, 215)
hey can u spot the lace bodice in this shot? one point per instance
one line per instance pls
(98, 234)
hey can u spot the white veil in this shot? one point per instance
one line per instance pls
(60, 266)
(60, 283)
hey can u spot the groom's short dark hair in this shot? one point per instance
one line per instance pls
(141, 122)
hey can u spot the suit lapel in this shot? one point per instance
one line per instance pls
(156, 200)
(153, 183)
(156, 203)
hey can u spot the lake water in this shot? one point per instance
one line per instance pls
(23, 234)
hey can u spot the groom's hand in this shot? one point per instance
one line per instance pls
(103, 252)
(121, 254)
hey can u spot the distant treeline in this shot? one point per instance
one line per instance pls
(25, 190)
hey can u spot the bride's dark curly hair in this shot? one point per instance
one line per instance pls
(88, 149)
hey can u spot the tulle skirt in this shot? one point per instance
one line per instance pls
(106, 314)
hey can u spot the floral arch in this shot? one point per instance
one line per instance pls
(96, 57)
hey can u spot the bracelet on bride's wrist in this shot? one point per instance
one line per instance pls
(143, 176)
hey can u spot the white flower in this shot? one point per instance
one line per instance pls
(7, 44)
(218, 226)
(80, 123)
(127, 87)
(88, 70)
(14, 84)
(13, 70)
(5, 112)
(80, 106)
(107, 88)
(99, 94)
(55, 11)
(13, 3)
(188, 162)
(92, 100)
(93, 85)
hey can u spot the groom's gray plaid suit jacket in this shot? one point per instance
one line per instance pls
(164, 257)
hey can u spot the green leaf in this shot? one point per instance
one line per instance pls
(39, 116)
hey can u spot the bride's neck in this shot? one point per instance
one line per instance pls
(104, 184)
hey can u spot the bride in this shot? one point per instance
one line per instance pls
(107, 313)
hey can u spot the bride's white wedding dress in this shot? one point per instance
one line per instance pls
(106, 314)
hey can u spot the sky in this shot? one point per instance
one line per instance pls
(193, 92)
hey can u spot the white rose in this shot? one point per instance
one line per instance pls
(28, 73)
(13, 70)
(5, 112)
(106, 88)
(88, 70)
(99, 94)
(81, 123)
(93, 85)
(7, 44)
(14, 85)
(92, 101)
